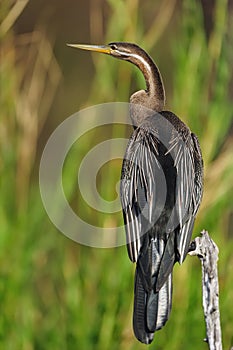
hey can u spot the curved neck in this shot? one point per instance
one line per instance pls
(154, 85)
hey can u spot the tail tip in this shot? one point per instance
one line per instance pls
(145, 338)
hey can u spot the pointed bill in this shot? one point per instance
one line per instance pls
(95, 48)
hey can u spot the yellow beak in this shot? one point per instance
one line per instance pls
(95, 48)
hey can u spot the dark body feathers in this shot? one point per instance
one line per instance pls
(161, 190)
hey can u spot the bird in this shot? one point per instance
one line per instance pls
(161, 191)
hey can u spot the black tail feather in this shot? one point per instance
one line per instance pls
(141, 330)
(151, 309)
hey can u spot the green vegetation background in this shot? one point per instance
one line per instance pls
(55, 293)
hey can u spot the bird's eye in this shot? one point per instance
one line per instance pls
(113, 47)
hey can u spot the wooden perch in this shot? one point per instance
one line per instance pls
(207, 251)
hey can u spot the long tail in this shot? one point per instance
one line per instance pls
(151, 309)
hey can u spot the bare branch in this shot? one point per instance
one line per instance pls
(207, 251)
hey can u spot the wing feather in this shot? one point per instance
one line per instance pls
(188, 189)
(138, 188)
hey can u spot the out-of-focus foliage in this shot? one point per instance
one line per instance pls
(54, 293)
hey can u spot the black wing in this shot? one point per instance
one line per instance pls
(185, 150)
(142, 180)
(138, 187)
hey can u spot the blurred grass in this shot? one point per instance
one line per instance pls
(54, 293)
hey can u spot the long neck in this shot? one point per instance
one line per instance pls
(154, 85)
(154, 82)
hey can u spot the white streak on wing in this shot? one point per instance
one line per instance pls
(186, 176)
(183, 238)
(173, 143)
(132, 232)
